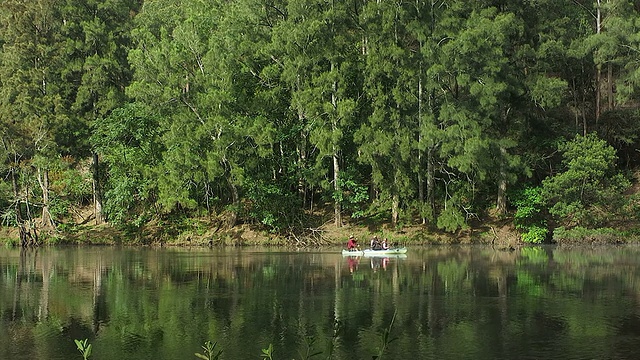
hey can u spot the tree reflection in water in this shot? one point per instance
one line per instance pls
(450, 302)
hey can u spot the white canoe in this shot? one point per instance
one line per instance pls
(369, 252)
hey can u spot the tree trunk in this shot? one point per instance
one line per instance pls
(598, 66)
(18, 209)
(43, 181)
(584, 114)
(501, 202)
(337, 209)
(576, 113)
(431, 166)
(420, 179)
(431, 183)
(302, 153)
(395, 209)
(610, 98)
(233, 218)
(29, 225)
(336, 163)
(503, 158)
(302, 161)
(97, 193)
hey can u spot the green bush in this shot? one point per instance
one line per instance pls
(10, 242)
(535, 234)
(451, 219)
(528, 217)
(353, 197)
(269, 204)
(589, 191)
(580, 235)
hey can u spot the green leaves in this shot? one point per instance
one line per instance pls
(588, 185)
(529, 217)
(548, 92)
(267, 353)
(210, 352)
(129, 142)
(412, 109)
(84, 347)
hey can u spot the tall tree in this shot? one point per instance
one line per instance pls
(97, 41)
(315, 47)
(30, 68)
(184, 68)
(430, 25)
(390, 71)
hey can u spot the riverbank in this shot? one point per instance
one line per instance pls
(497, 232)
(201, 232)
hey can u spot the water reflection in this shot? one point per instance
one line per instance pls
(375, 263)
(448, 302)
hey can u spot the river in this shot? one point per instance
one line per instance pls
(438, 302)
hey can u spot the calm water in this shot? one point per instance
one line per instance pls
(448, 302)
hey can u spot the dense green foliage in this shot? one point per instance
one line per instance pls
(588, 191)
(528, 216)
(263, 112)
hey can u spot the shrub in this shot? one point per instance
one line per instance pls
(589, 189)
(528, 217)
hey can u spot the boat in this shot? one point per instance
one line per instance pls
(375, 254)
(369, 252)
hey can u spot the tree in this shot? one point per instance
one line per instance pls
(97, 39)
(386, 138)
(185, 68)
(313, 47)
(610, 49)
(128, 140)
(483, 119)
(588, 191)
(30, 65)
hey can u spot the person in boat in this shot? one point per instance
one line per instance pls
(375, 243)
(385, 244)
(352, 244)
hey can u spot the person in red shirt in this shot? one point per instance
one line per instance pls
(352, 244)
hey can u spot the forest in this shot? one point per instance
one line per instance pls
(289, 115)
